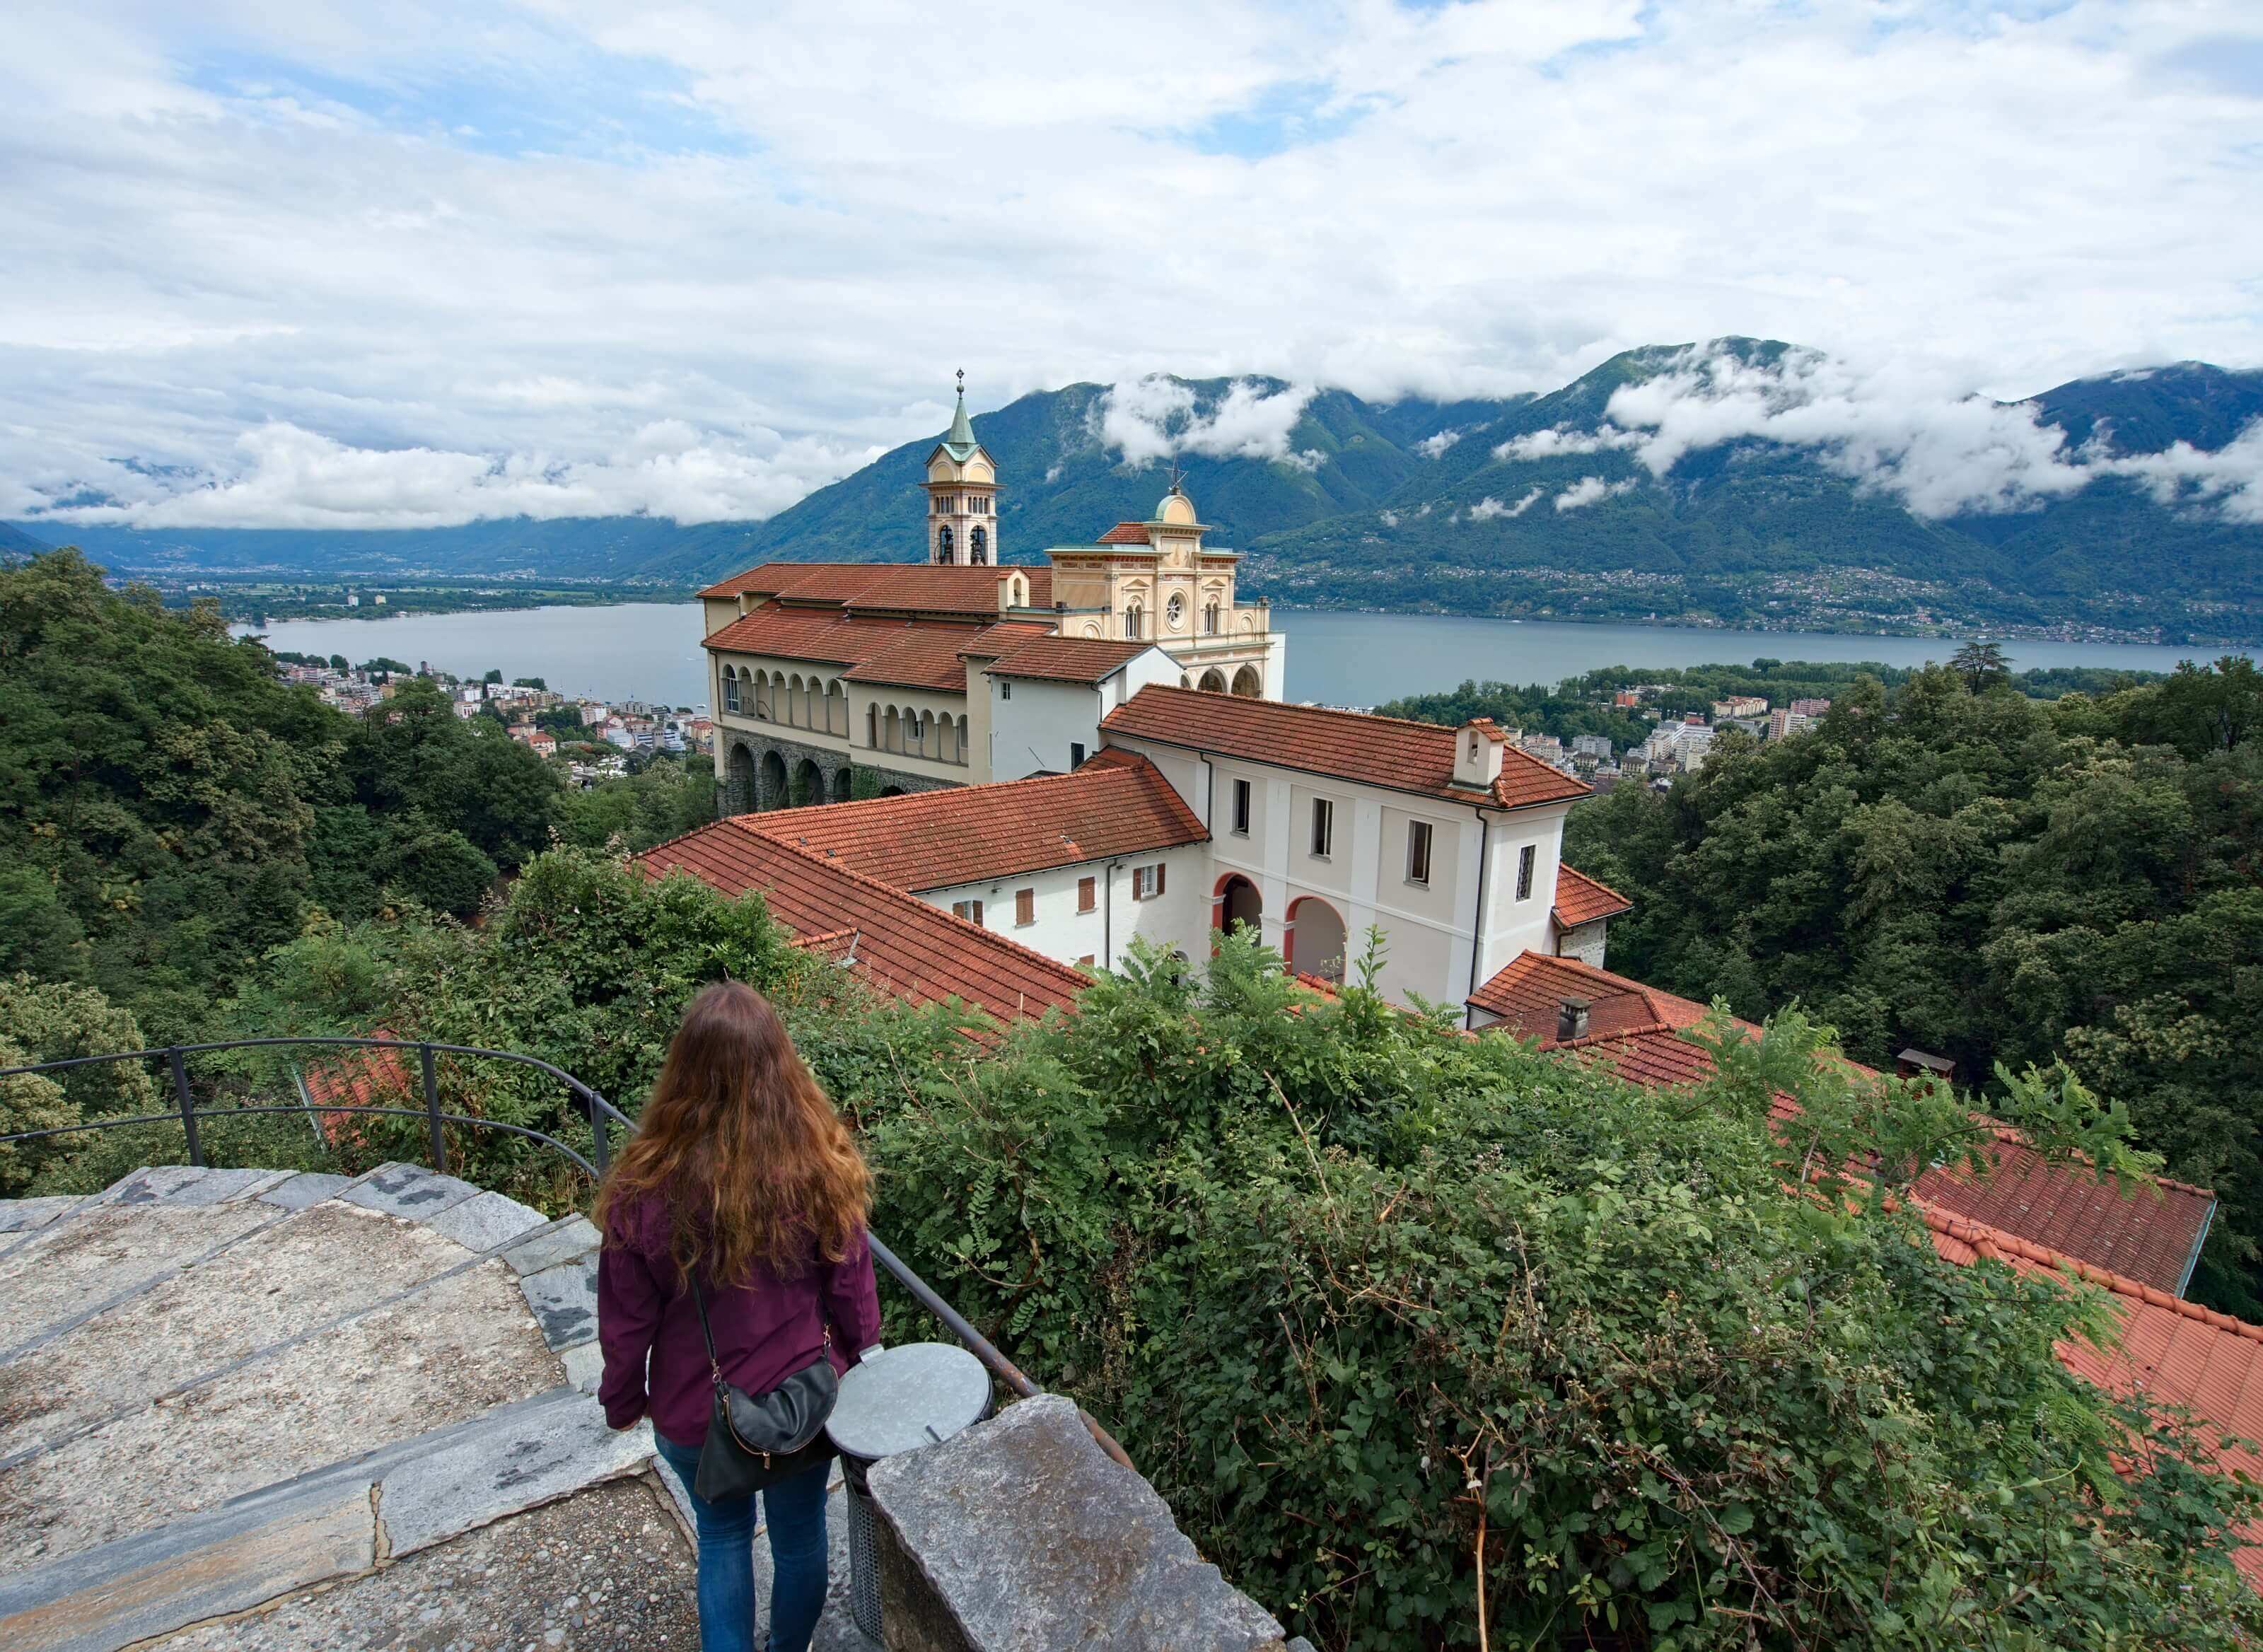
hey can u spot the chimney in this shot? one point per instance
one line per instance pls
(1477, 746)
(1571, 1019)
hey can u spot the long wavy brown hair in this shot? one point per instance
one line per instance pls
(742, 1147)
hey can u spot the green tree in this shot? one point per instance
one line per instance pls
(1981, 665)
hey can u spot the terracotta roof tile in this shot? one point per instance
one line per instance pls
(932, 840)
(899, 943)
(2152, 1237)
(1386, 751)
(1580, 898)
(1124, 533)
(1070, 659)
(2171, 1353)
(895, 587)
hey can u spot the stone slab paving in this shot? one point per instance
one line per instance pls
(308, 1187)
(561, 1242)
(74, 1265)
(485, 1220)
(443, 1355)
(603, 1571)
(265, 1289)
(221, 1564)
(408, 1190)
(565, 1301)
(527, 1454)
(22, 1215)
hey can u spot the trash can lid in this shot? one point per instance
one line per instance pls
(902, 1398)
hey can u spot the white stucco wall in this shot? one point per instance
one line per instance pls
(1180, 917)
(1429, 933)
(1032, 727)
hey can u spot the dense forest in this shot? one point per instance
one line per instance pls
(1427, 1339)
(1994, 878)
(174, 809)
(1582, 704)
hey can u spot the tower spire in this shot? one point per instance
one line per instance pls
(962, 430)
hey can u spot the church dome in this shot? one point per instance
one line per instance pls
(1176, 509)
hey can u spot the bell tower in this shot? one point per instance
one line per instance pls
(962, 494)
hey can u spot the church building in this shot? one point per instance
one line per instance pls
(832, 680)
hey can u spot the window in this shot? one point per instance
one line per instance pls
(1241, 808)
(978, 546)
(1087, 893)
(1005, 691)
(944, 549)
(1076, 754)
(1146, 881)
(1025, 907)
(1176, 608)
(1525, 857)
(1324, 828)
(1210, 620)
(1135, 621)
(970, 910)
(1418, 852)
(730, 688)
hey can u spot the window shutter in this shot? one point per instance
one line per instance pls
(1159, 877)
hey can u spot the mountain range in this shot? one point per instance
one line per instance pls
(1548, 505)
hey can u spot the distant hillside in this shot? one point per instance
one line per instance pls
(1422, 505)
(17, 540)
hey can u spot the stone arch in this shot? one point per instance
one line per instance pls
(978, 546)
(808, 783)
(946, 546)
(872, 727)
(1092, 627)
(949, 729)
(1135, 619)
(836, 709)
(844, 784)
(739, 781)
(1213, 681)
(765, 690)
(1248, 685)
(963, 757)
(1236, 900)
(892, 791)
(774, 782)
(930, 743)
(892, 732)
(1315, 938)
(796, 700)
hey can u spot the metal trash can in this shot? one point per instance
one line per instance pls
(898, 1400)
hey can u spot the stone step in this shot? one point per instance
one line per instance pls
(339, 1520)
(334, 1323)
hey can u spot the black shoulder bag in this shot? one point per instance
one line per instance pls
(757, 1439)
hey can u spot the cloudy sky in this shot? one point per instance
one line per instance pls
(296, 262)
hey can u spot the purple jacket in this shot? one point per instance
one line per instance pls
(764, 1331)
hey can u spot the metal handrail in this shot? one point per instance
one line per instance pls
(600, 1111)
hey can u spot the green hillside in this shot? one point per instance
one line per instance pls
(1411, 504)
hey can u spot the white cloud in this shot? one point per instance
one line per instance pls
(1487, 508)
(285, 476)
(1588, 489)
(1551, 444)
(1389, 518)
(525, 234)
(1434, 447)
(1153, 418)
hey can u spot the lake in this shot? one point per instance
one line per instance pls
(651, 650)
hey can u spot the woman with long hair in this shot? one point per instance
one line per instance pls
(742, 1188)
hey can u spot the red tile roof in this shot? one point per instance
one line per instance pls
(898, 942)
(2170, 1352)
(1349, 745)
(1124, 533)
(889, 587)
(1580, 898)
(920, 653)
(2153, 1236)
(932, 840)
(1070, 659)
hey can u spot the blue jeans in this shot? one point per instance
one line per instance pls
(796, 1508)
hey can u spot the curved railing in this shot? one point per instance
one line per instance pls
(602, 1115)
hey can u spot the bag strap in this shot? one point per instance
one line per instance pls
(698, 1301)
(714, 1366)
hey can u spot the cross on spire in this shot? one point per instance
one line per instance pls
(1176, 472)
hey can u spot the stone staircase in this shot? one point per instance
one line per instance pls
(248, 1408)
